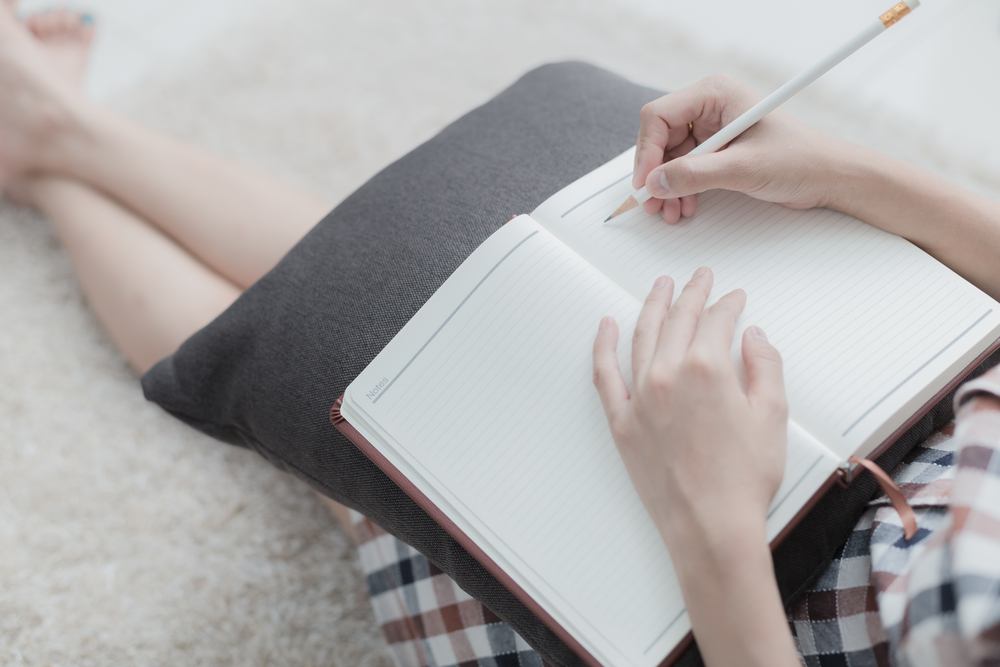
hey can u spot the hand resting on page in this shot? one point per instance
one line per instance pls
(706, 458)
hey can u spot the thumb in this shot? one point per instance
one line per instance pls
(692, 174)
(765, 379)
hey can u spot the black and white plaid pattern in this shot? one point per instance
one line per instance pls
(426, 618)
(837, 621)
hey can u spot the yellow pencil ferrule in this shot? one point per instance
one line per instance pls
(893, 16)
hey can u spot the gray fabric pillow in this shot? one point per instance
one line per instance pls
(266, 372)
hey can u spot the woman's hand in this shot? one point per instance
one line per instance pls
(780, 159)
(706, 458)
(698, 448)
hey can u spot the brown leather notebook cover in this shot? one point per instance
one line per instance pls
(432, 510)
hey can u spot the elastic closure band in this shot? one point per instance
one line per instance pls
(893, 493)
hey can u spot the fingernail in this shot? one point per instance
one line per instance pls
(660, 282)
(700, 272)
(603, 325)
(757, 332)
(659, 186)
(87, 19)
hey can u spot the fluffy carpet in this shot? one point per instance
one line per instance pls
(126, 537)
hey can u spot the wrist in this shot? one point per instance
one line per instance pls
(855, 174)
(892, 194)
(714, 542)
(732, 599)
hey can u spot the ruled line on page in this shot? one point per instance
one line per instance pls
(604, 189)
(457, 308)
(911, 375)
(484, 317)
(931, 339)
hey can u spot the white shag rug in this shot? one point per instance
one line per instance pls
(128, 538)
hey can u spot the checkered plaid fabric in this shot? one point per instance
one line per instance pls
(426, 618)
(838, 621)
(931, 601)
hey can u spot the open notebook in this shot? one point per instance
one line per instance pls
(482, 407)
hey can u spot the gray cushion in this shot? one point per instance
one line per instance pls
(265, 373)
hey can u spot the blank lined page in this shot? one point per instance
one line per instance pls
(865, 321)
(485, 401)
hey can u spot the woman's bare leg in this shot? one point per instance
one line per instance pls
(149, 292)
(235, 220)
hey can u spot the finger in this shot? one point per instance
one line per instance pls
(765, 378)
(717, 325)
(671, 211)
(663, 123)
(659, 139)
(689, 205)
(682, 319)
(651, 144)
(648, 325)
(607, 374)
(652, 205)
(727, 170)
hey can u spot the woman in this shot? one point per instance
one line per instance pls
(164, 237)
(723, 457)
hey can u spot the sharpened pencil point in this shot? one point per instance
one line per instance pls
(628, 205)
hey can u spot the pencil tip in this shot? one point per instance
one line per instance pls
(627, 205)
(608, 218)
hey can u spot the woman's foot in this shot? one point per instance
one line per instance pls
(37, 98)
(41, 69)
(65, 37)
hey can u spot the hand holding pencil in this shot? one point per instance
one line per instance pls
(780, 159)
(700, 120)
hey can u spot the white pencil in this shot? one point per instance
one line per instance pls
(778, 97)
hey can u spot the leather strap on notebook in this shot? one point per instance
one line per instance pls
(893, 493)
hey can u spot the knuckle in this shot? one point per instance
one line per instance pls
(648, 111)
(695, 286)
(639, 334)
(702, 363)
(771, 355)
(684, 310)
(659, 382)
(722, 80)
(619, 428)
(654, 297)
